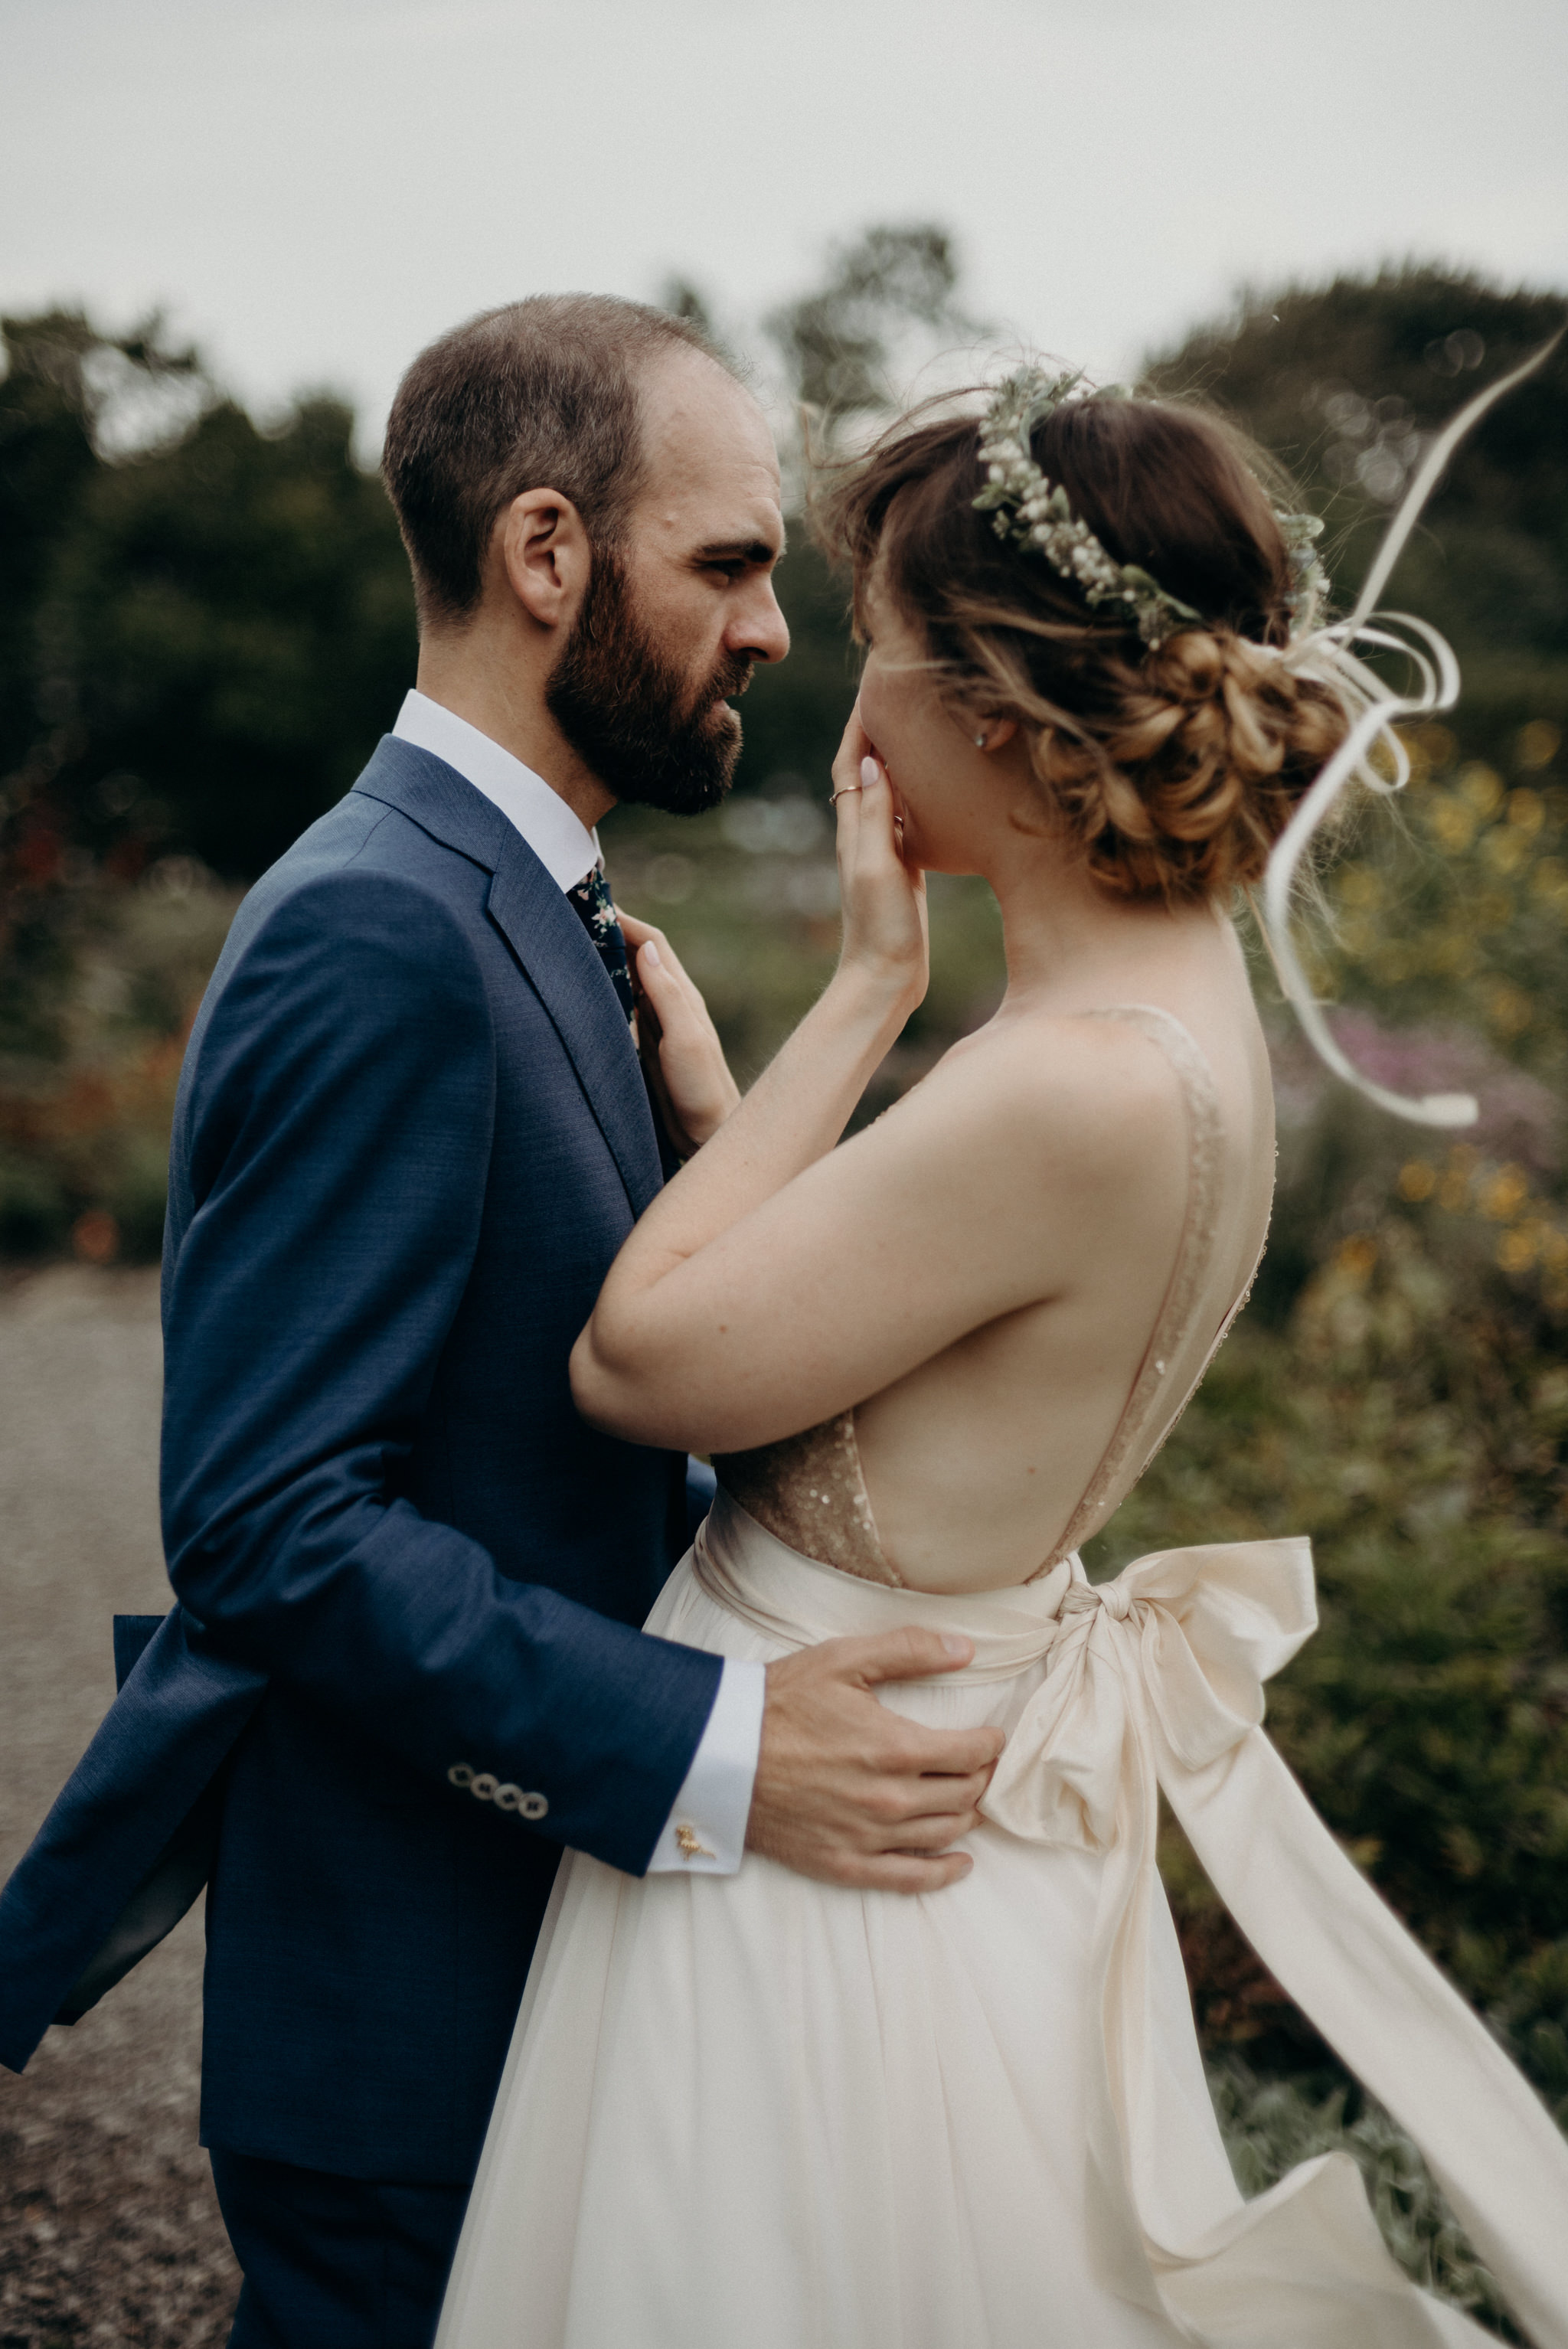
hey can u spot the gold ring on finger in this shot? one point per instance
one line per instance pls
(845, 795)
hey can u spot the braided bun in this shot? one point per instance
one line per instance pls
(1171, 771)
(1182, 785)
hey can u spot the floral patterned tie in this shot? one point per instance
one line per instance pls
(594, 907)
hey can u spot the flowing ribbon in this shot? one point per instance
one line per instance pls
(1373, 708)
(1155, 1682)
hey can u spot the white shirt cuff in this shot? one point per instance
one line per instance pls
(704, 1835)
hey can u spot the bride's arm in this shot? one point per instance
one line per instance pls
(778, 1279)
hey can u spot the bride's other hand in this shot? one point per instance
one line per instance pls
(883, 899)
(683, 1059)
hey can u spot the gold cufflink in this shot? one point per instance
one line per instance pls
(687, 1845)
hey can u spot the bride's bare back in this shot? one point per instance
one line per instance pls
(981, 1466)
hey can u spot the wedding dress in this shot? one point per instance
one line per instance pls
(758, 2112)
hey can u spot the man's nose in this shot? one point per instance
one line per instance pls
(760, 630)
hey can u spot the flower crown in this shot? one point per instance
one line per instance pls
(1028, 510)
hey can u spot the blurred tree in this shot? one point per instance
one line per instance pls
(228, 625)
(1347, 384)
(842, 343)
(203, 627)
(888, 300)
(683, 300)
(63, 385)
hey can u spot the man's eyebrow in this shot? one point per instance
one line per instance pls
(741, 550)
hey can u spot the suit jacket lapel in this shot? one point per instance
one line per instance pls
(547, 938)
(555, 950)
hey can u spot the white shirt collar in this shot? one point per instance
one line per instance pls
(561, 842)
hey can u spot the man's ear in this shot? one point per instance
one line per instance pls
(546, 556)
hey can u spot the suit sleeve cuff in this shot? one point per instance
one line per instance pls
(704, 1834)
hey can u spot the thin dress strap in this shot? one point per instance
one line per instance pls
(1131, 1440)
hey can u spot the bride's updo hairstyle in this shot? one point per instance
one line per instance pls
(1171, 771)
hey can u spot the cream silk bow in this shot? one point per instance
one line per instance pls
(1155, 1681)
(1187, 1636)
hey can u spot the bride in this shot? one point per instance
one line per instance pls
(762, 2111)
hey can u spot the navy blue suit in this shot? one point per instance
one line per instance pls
(411, 1134)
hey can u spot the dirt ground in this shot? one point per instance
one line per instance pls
(108, 2228)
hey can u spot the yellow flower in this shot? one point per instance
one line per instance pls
(1508, 1008)
(1417, 750)
(1358, 887)
(1355, 1257)
(1482, 786)
(1417, 1180)
(1504, 1194)
(1438, 742)
(1538, 743)
(1453, 1191)
(1453, 823)
(1506, 850)
(1516, 1250)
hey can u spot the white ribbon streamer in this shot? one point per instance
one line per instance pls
(1155, 1682)
(1327, 654)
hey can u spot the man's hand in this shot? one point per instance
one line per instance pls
(852, 1793)
(683, 1059)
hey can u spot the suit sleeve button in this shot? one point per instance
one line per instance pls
(508, 1797)
(460, 1775)
(484, 1787)
(532, 1806)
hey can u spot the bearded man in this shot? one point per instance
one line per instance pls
(412, 1132)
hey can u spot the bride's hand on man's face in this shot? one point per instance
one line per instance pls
(883, 899)
(683, 1059)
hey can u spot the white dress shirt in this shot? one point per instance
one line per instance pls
(704, 1834)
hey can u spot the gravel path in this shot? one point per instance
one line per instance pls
(108, 2228)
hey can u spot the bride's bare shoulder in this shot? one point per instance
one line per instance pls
(1090, 1084)
(1087, 1113)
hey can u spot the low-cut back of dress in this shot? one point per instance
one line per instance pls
(810, 1489)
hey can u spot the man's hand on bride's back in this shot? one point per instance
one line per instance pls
(683, 1059)
(851, 1793)
(882, 898)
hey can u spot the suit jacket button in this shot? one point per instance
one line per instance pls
(483, 1788)
(532, 1806)
(508, 1797)
(460, 1775)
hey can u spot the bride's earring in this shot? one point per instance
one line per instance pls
(980, 742)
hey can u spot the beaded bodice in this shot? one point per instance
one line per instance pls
(810, 1489)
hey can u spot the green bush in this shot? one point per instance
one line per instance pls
(1413, 1420)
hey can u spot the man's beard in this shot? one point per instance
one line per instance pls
(631, 717)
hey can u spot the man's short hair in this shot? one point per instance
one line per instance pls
(539, 394)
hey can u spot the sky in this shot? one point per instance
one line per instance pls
(313, 189)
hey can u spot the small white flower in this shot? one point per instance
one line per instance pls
(1069, 546)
